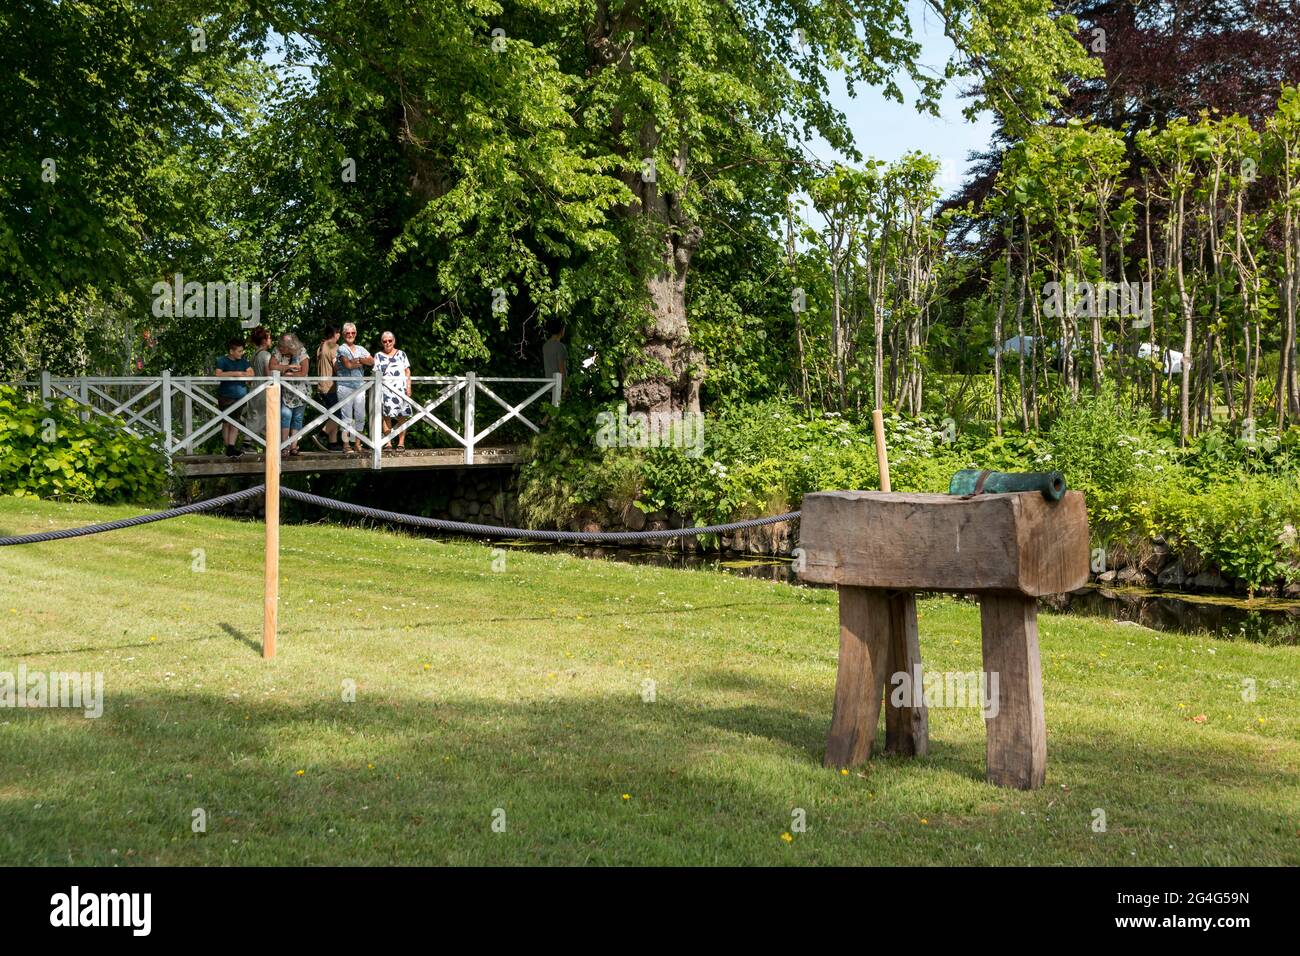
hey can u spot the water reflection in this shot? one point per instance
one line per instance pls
(1268, 622)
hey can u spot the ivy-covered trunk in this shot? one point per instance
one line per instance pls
(664, 376)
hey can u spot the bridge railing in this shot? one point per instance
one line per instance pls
(178, 413)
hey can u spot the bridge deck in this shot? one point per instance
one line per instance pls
(211, 466)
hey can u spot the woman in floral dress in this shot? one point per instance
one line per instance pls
(394, 368)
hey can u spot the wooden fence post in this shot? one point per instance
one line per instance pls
(271, 597)
(882, 453)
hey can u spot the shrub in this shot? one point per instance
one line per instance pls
(1101, 445)
(51, 453)
(1247, 529)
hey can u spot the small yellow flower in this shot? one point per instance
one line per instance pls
(299, 772)
(787, 837)
(426, 667)
(370, 766)
(844, 771)
(627, 796)
(1262, 720)
(924, 822)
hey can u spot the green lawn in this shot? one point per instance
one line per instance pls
(522, 689)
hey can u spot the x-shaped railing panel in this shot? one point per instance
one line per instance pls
(328, 413)
(426, 410)
(227, 415)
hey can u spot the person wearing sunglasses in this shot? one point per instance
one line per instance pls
(350, 363)
(394, 369)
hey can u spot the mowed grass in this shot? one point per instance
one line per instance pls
(522, 690)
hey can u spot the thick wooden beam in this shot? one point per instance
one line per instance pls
(919, 542)
(1017, 731)
(907, 728)
(860, 682)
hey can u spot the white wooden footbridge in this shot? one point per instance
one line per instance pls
(179, 413)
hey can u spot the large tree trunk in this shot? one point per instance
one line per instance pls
(665, 377)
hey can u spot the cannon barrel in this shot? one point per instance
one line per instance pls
(972, 481)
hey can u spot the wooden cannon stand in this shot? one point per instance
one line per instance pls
(879, 549)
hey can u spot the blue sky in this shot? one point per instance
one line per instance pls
(886, 130)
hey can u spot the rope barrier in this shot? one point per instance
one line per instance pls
(195, 508)
(396, 517)
(582, 537)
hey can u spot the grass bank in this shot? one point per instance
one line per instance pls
(517, 682)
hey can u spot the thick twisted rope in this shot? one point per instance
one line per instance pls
(582, 537)
(396, 517)
(194, 508)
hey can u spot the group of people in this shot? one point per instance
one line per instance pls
(341, 364)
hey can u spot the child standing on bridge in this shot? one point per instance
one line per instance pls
(232, 366)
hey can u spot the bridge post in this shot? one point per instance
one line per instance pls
(377, 421)
(166, 409)
(558, 390)
(47, 389)
(188, 419)
(471, 386)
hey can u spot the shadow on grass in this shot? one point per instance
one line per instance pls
(229, 629)
(411, 780)
(240, 636)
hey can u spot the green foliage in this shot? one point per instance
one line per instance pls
(566, 470)
(52, 453)
(1101, 444)
(758, 459)
(1247, 529)
(1220, 453)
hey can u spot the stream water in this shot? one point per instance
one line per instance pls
(1265, 620)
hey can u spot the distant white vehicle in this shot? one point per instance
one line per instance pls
(1013, 345)
(1172, 361)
